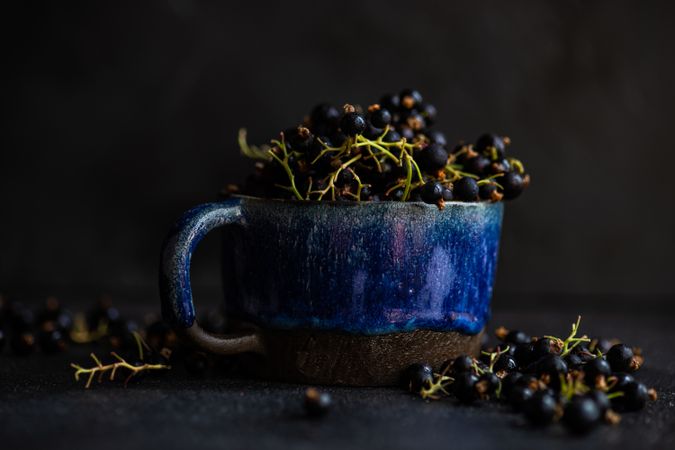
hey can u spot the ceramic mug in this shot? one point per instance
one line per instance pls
(340, 293)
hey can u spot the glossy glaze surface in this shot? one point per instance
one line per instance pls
(371, 268)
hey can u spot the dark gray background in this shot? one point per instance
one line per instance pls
(120, 115)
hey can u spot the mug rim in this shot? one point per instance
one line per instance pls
(362, 204)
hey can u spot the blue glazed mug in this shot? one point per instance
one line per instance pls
(340, 293)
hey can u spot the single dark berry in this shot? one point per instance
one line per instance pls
(390, 102)
(499, 166)
(487, 384)
(159, 335)
(406, 132)
(345, 177)
(396, 195)
(431, 192)
(540, 409)
(463, 363)
(513, 185)
(414, 121)
(352, 124)
(635, 396)
(620, 358)
(489, 192)
(392, 136)
(601, 401)
(324, 117)
(447, 194)
(581, 415)
(436, 137)
(600, 344)
(509, 382)
(506, 363)
(418, 376)
(491, 145)
(518, 396)
(476, 165)
(618, 381)
(317, 403)
(551, 365)
(433, 158)
(545, 346)
(380, 118)
(410, 98)
(517, 337)
(524, 354)
(22, 344)
(464, 387)
(52, 341)
(574, 361)
(465, 189)
(594, 369)
(429, 113)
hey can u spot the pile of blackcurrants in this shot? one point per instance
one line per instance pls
(579, 381)
(389, 151)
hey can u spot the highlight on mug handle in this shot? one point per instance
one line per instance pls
(174, 277)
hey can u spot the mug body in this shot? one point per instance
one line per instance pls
(351, 293)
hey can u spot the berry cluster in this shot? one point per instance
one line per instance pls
(389, 151)
(577, 380)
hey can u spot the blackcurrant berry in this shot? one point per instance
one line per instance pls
(463, 363)
(524, 354)
(352, 124)
(431, 192)
(159, 335)
(581, 415)
(601, 344)
(553, 366)
(429, 113)
(490, 145)
(545, 346)
(390, 102)
(513, 185)
(392, 136)
(541, 408)
(324, 117)
(620, 358)
(488, 383)
(518, 396)
(406, 132)
(410, 98)
(464, 387)
(380, 118)
(517, 337)
(476, 165)
(436, 137)
(52, 340)
(600, 398)
(595, 368)
(433, 157)
(489, 192)
(317, 403)
(506, 363)
(418, 376)
(574, 361)
(465, 189)
(509, 382)
(396, 195)
(447, 194)
(618, 381)
(635, 396)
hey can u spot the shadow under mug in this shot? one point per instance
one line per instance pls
(340, 293)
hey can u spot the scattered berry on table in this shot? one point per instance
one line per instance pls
(581, 415)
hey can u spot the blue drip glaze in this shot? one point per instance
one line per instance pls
(369, 268)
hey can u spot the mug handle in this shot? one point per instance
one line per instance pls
(174, 277)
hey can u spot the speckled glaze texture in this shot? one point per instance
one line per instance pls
(368, 269)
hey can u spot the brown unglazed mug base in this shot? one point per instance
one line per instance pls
(332, 358)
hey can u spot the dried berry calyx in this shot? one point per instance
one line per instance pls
(549, 379)
(390, 152)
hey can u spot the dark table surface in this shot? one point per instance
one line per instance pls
(42, 407)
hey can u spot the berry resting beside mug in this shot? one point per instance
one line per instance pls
(348, 259)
